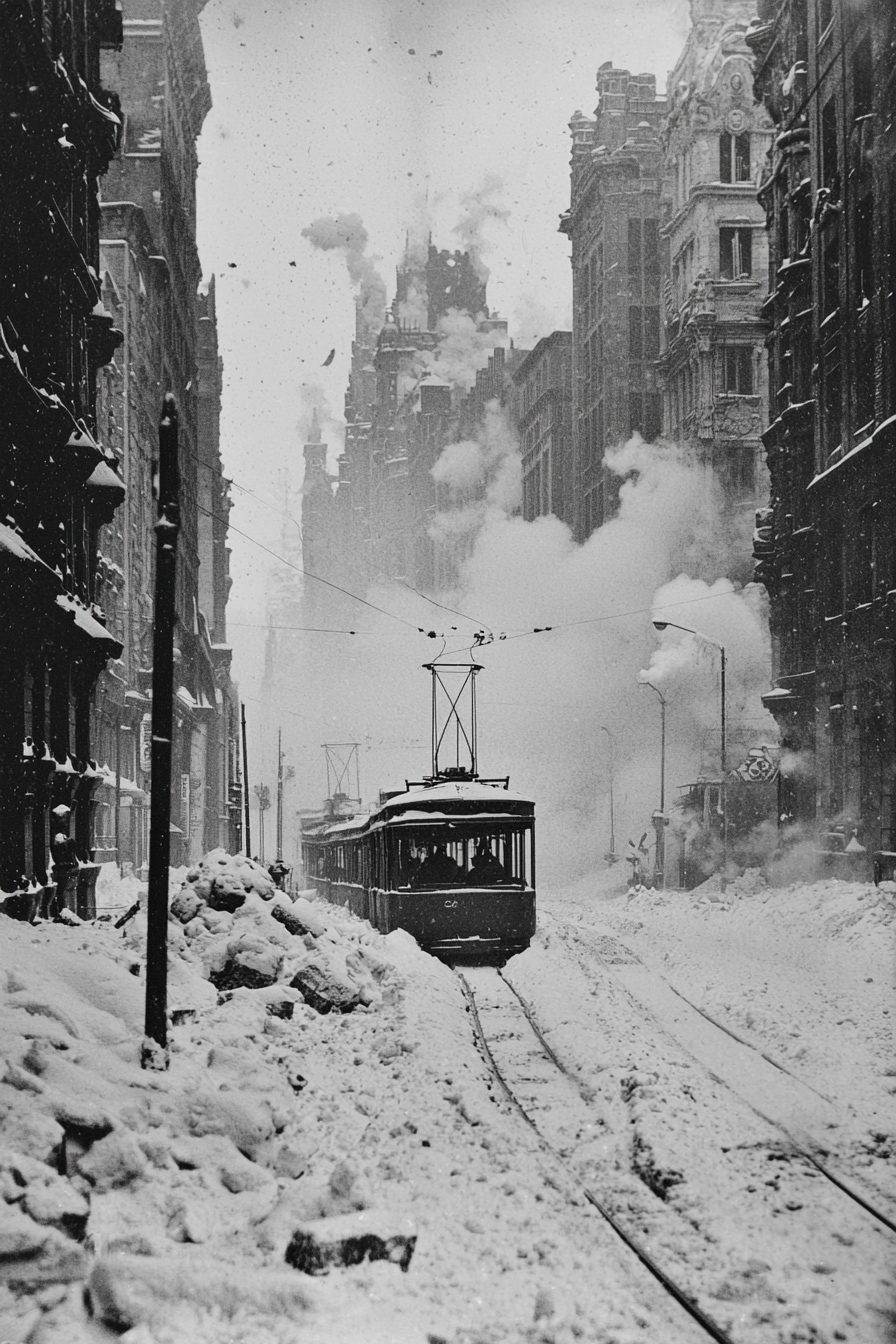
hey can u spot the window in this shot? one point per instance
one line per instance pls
(653, 416)
(635, 340)
(651, 247)
(734, 157)
(737, 370)
(832, 566)
(651, 333)
(735, 253)
(634, 246)
(634, 412)
(862, 79)
(830, 163)
(864, 251)
(831, 273)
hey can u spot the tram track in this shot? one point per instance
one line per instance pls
(623, 1187)
(612, 954)
(679, 1295)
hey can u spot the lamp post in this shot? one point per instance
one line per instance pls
(664, 625)
(659, 818)
(611, 856)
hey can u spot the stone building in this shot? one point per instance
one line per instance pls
(826, 72)
(59, 481)
(543, 411)
(712, 366)
(613, 223)
(410, 395)
(151, 274)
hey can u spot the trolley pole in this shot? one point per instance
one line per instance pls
(247, 838)
(155, 1046)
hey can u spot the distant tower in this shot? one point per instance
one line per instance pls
(315, 451)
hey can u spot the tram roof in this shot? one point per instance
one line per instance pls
(436, 798)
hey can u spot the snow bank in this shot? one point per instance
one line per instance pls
(105, 1168)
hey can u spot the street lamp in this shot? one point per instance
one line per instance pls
(665, 625)
(611, 857)
(659, 818)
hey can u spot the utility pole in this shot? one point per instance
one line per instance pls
(166, 529)
(279, 854)
(660, 820)
(247, 839)
(263, 794)
(611, 856)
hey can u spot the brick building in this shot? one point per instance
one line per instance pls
(543, 404)
(826, 72)
(712, 365)
(151, 274)
(613, 223)
(60, 482)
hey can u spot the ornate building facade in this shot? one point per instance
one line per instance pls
(543, 413)
(826, 72)
(60, 482)
(613, 223)
(151, 275)
(712, 365)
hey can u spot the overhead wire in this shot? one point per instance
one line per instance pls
(484, 636)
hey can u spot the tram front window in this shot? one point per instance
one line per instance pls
(448, 856)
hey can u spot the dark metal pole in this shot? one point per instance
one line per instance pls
(118, 789)
(248, 839)
(662, 753)
(723, 793)
(166, 530)
(279, 857)
(612, 746)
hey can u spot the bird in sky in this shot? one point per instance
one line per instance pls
(330, 357)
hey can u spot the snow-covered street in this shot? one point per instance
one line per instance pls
(720, 1061)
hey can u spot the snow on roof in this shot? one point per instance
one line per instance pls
(471, 791)
(104, 478)
(83, 619)
(12, 541)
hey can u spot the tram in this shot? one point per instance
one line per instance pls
(450, 859)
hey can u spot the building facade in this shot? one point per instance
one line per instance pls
(826, 72)
(60, 482)
(543, 412)
(421, 382)
(713, 367)
(613, 223)
(151, 273)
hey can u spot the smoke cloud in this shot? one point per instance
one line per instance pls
(347, 234)
(559, 707)
(462, 351)
(478, 207)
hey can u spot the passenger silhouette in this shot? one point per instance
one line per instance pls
(485, 868)
(438, 867)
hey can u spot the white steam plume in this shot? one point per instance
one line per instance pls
(462, 350)
(347, 234)
(478, 207)
(544, 698)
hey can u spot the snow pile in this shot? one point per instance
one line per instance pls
(106, 1168)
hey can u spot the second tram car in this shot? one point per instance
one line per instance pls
(451, 860)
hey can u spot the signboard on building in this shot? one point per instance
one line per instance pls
(146, 742)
